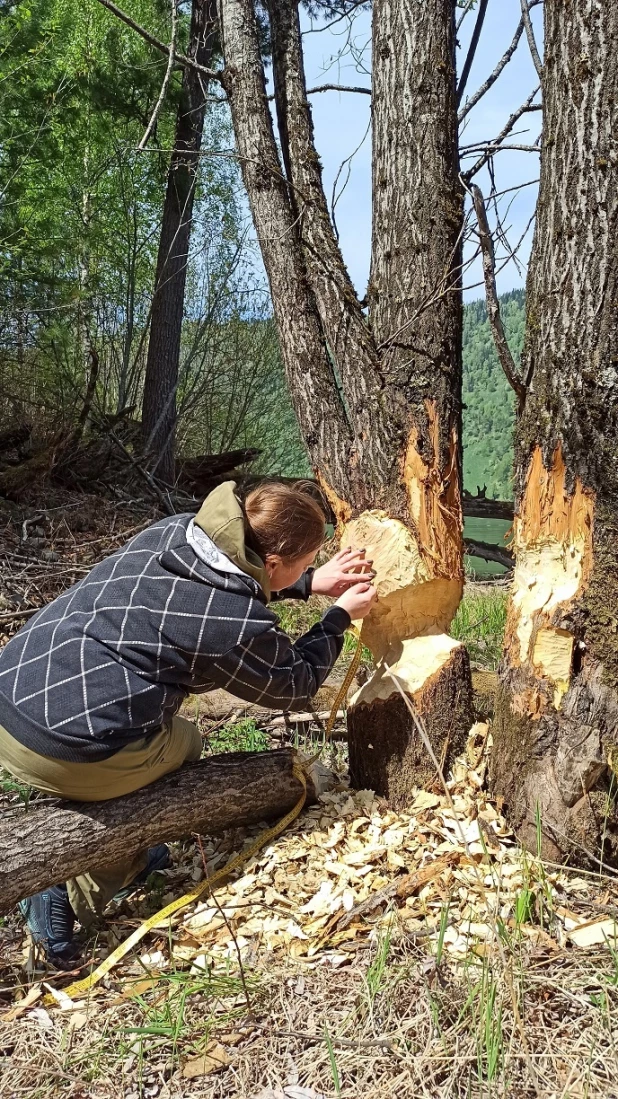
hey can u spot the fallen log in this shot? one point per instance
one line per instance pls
(479, 507)
(487, 551)
(51, 843)
(218, 705)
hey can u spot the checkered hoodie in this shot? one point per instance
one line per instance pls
(112, 658)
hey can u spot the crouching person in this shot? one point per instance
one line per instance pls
(91, 685)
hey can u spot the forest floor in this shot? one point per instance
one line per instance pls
(362, 954)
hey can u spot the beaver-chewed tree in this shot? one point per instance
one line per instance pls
(377, 396)
(555, 759)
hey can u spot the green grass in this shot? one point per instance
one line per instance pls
(479, 624)
(238, 736)
(173, 1019)
(377, 969)
(10, 786)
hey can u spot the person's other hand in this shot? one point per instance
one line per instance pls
(358, 600)
(343, 571)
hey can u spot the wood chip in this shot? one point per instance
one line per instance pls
(596, 933)
(214, 1058)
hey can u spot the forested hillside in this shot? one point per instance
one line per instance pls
(488, 405)
(487, 397)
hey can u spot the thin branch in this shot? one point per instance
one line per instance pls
(506, 130)
(166, 79)
(466, 11)
(339, 18)
(525, 14)
(493, 306)
(492, 147)
(180, 59)
(337, 88)
(474, 41)
(347, 162)
(491, 79)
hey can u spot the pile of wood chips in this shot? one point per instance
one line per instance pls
(453, 871)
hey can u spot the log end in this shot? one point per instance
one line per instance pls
(386, 752)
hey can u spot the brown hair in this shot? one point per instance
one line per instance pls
(284, 519)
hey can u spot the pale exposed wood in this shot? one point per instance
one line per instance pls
(412, 600)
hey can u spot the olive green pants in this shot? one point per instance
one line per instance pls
(135, 766)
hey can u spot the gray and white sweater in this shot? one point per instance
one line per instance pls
(113, 657)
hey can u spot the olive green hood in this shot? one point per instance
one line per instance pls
(221, 518)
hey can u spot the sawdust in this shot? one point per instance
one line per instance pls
(362, 938)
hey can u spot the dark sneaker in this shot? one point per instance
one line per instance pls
(51, 920)
(159, 858)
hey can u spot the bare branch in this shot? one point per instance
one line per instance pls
(506, 130)
(166, 79)
(347, 14)
(338, 88)
(180, 58)
(466, 11)
(474, 41)
(502, 555)
(492, 147)
(347, 163)
(525, 14)
(491, 79)
(493, 306)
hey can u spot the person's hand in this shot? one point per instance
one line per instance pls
(358, 600)
(341, 572)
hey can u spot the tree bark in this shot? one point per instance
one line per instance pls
(555, 757)
(316, 395)
(162, 363)
(414, 299)
(351, 346)
(378, 399)
(47, 845)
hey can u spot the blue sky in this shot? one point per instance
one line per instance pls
(341, 122)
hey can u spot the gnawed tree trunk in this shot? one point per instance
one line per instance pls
(555, 756)
(161, 380)
(49, 844)
(378, 399)
(415, 311)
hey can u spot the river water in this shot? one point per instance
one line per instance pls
(486, 530)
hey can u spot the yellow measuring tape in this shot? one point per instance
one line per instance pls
(81, 988)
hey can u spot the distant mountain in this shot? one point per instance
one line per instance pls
(489, 406)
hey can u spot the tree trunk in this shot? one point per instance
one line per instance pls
(47, 845)
(557, 711)
(415, 309)
(317, 398)
(378, 400)
(161, 381)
